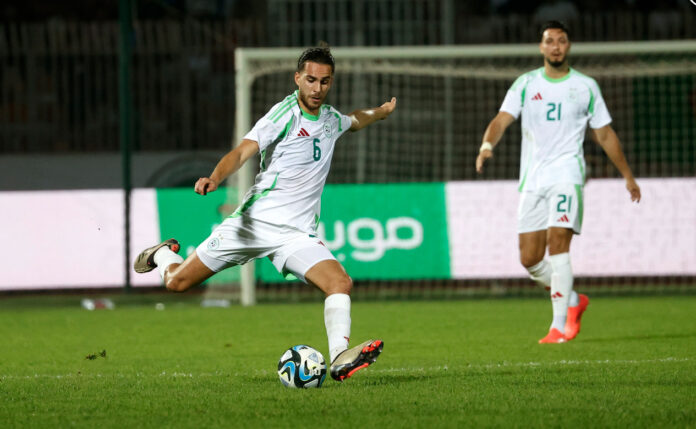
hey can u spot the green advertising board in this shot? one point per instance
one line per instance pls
(390, 231)
(190, 218)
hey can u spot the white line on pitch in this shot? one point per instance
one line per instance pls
(374, 370)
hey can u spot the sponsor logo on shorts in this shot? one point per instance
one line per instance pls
(213, 243)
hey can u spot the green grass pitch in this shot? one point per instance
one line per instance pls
(469, 363)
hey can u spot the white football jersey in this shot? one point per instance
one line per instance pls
(296, 150)
(555, 114)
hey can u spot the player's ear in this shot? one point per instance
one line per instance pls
(297, 78)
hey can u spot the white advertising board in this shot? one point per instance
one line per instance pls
(72, 239)
(75, 239)
(656, 237)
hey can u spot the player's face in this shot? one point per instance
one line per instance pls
(314, 83)
(554, 46)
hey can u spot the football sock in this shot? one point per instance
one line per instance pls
(164, 257)
(337, 321)
(561, 288)
(541, 273)
(574, 300)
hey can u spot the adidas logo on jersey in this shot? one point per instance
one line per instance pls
(563, 218)
(537, 96)
(303, 133)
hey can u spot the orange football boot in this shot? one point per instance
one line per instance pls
(572, 326)
(553, 337)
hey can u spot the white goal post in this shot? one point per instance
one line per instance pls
(436, 61)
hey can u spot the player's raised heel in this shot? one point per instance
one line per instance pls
(352, 360)
(572, 326)
(145, 262)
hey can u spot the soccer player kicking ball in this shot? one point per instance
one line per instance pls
(280, 212)
(556, 103)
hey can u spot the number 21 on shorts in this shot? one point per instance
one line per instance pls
(564, 203)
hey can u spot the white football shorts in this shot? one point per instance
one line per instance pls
(237, 240)
(559, 206)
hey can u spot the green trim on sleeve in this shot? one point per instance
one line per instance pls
(593, 98)
(590, 107)
(284, 132)
(520, 80)
(285, 109)
(282, 106)
(524, 91)
(340, 128)
(524, 81)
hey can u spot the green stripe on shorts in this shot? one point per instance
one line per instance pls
(581, 205)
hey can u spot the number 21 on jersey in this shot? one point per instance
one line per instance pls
(554, 112)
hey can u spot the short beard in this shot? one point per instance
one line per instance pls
(305, 99)
(556, 64)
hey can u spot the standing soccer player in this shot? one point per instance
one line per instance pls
(556, 103)
(279, 215)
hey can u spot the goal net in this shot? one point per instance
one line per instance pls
(446, 97)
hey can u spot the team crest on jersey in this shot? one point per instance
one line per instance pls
(328, 131)
(573, 94)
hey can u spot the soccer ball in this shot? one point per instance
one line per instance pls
(301, 367)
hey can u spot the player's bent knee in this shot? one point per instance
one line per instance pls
(177, 284)
(343, 284)
(530, 260)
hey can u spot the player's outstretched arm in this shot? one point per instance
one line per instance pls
(364, 117)
(227, 165)
(607, 138)
(494, 132)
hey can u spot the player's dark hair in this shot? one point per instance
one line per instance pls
(320, 55)
(553, 24)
